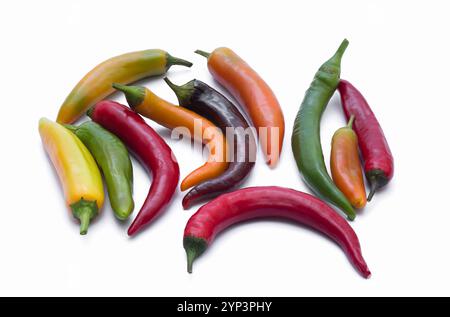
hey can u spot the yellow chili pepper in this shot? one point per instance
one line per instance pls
(126, 68)
(77, 171)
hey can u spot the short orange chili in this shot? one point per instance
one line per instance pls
(252, 93)
(146, 103)
(346, 167)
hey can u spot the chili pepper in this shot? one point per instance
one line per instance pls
(345, 165)
(378, 160)
(253, 93)
(152, 151)
(126, 68)
(114, 161)
(306, 135)
(209, 103)
(271, 201)
(145, 102)
(76, 169)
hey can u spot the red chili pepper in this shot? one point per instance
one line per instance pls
(258, 202)
(152, 151)
(378, 160)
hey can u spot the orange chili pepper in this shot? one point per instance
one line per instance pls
(253, 93)
(145, 102)
(345, 165)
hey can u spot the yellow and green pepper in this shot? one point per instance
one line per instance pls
(125, 69)
(77, 171)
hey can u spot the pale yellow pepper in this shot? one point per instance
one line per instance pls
(77, 171)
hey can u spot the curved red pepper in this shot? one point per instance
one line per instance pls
(152, 151)
(378, 160)
(271, 201)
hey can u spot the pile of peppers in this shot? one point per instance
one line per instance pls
(82, 153)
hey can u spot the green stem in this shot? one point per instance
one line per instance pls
(171, 60)
(85, 219)
(194, 248)
(71, 127)
(90, 111)
(337, 57)
(171, 85)
(341, 49)
(373, 188)
(202, 53)
(135, 94)
(350, 122)
(84, 210)
(191, 256)
(120, 87)
(184, 92)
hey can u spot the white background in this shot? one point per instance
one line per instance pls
(398, 57)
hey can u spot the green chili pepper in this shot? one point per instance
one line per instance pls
(306, 135)
(113, 159)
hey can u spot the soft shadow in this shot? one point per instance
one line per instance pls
(283, 221)
(156, 220)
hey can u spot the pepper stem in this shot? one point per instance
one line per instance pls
(202, 53)
(90, 111)
(191, 256)
(84, 210)
(171, 85)
(341, 49)
(337, 57)
(171, 60)
(135, 94)
(194, 248)
(85, 218)
(350, 122)
(70, 127)
(373, 188)
(184, 92)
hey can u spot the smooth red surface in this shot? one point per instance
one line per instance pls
(272, 201)
(372, 142)
(152, 151)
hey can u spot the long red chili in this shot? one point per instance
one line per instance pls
(378, 160)
(152, 151)
(272, 201)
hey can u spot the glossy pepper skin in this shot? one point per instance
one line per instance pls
(114, 161)
(76, 169)
(151, 150)
(345, 166)
(146, 103)
(271, 201)
(253, 93)
(126, 68)
(209, 103)
(375, 151)
(306, 135)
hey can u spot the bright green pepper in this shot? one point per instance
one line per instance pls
(306, 135)
(113, 159)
